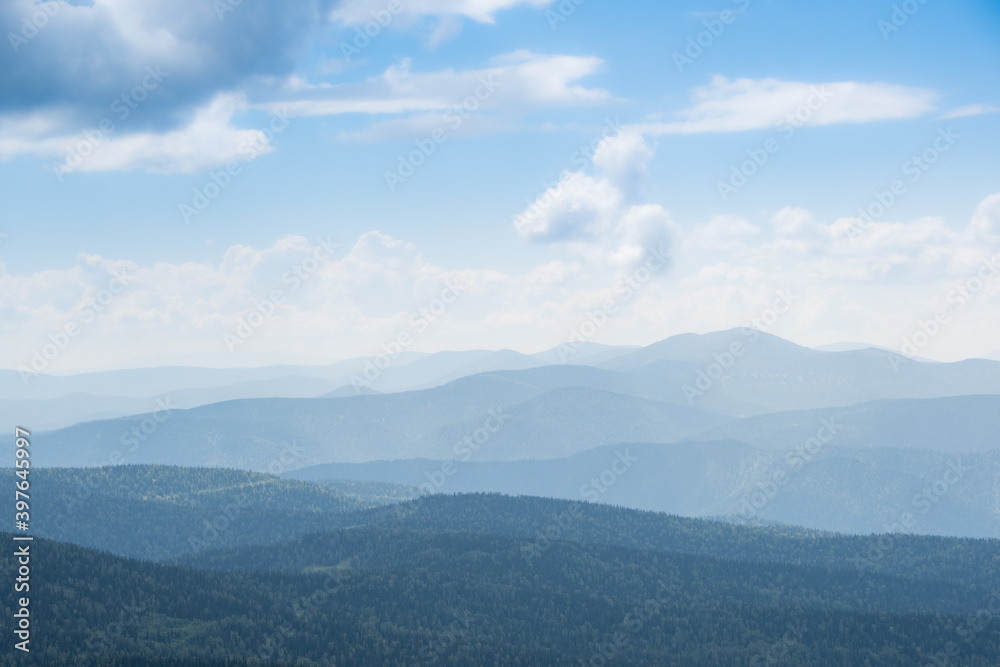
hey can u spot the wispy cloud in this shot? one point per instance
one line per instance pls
(749, 104)
(970, 110)
(353, 12)
(522, 81)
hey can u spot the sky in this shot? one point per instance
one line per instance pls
(245, 182)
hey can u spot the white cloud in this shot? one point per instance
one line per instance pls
(207, 48)
(447, 27)
(623, 158)
(601, 218)
(514, 82)
(794, 222)
(726, 270)
(577, 207)
(206, 141)
(727, 234)
(353, 12)
(986, 220)
(423, 125)
(749, 104)
(970, 110)
(876, 287)
(492, 97)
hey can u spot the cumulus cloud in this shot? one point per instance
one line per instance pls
(181, 89)
(722, 234)
(601, 217)
(206, 141)
(211, 57)
(165, 76)
(749, 104)
(578, 207)
(878, 286)
(986, 221)
(204, 51)
(725, 271)
(624, 160)
(792, 222)
(726, 268)
(491, 97)
(325, 288)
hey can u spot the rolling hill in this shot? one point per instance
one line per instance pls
(833, 488)
(486, 580)
(157, 512)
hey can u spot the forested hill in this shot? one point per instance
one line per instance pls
(160, 512)
(487, 579)
(156, 512)
(542, 522)
(399, 593)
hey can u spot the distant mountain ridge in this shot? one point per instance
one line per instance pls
(946, 424)
(685, 387)
(55, 401)
(508, 419)
(764, 374)
(833, 488)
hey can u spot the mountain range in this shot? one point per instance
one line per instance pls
(859, 432)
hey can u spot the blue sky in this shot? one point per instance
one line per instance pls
(202, 81)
